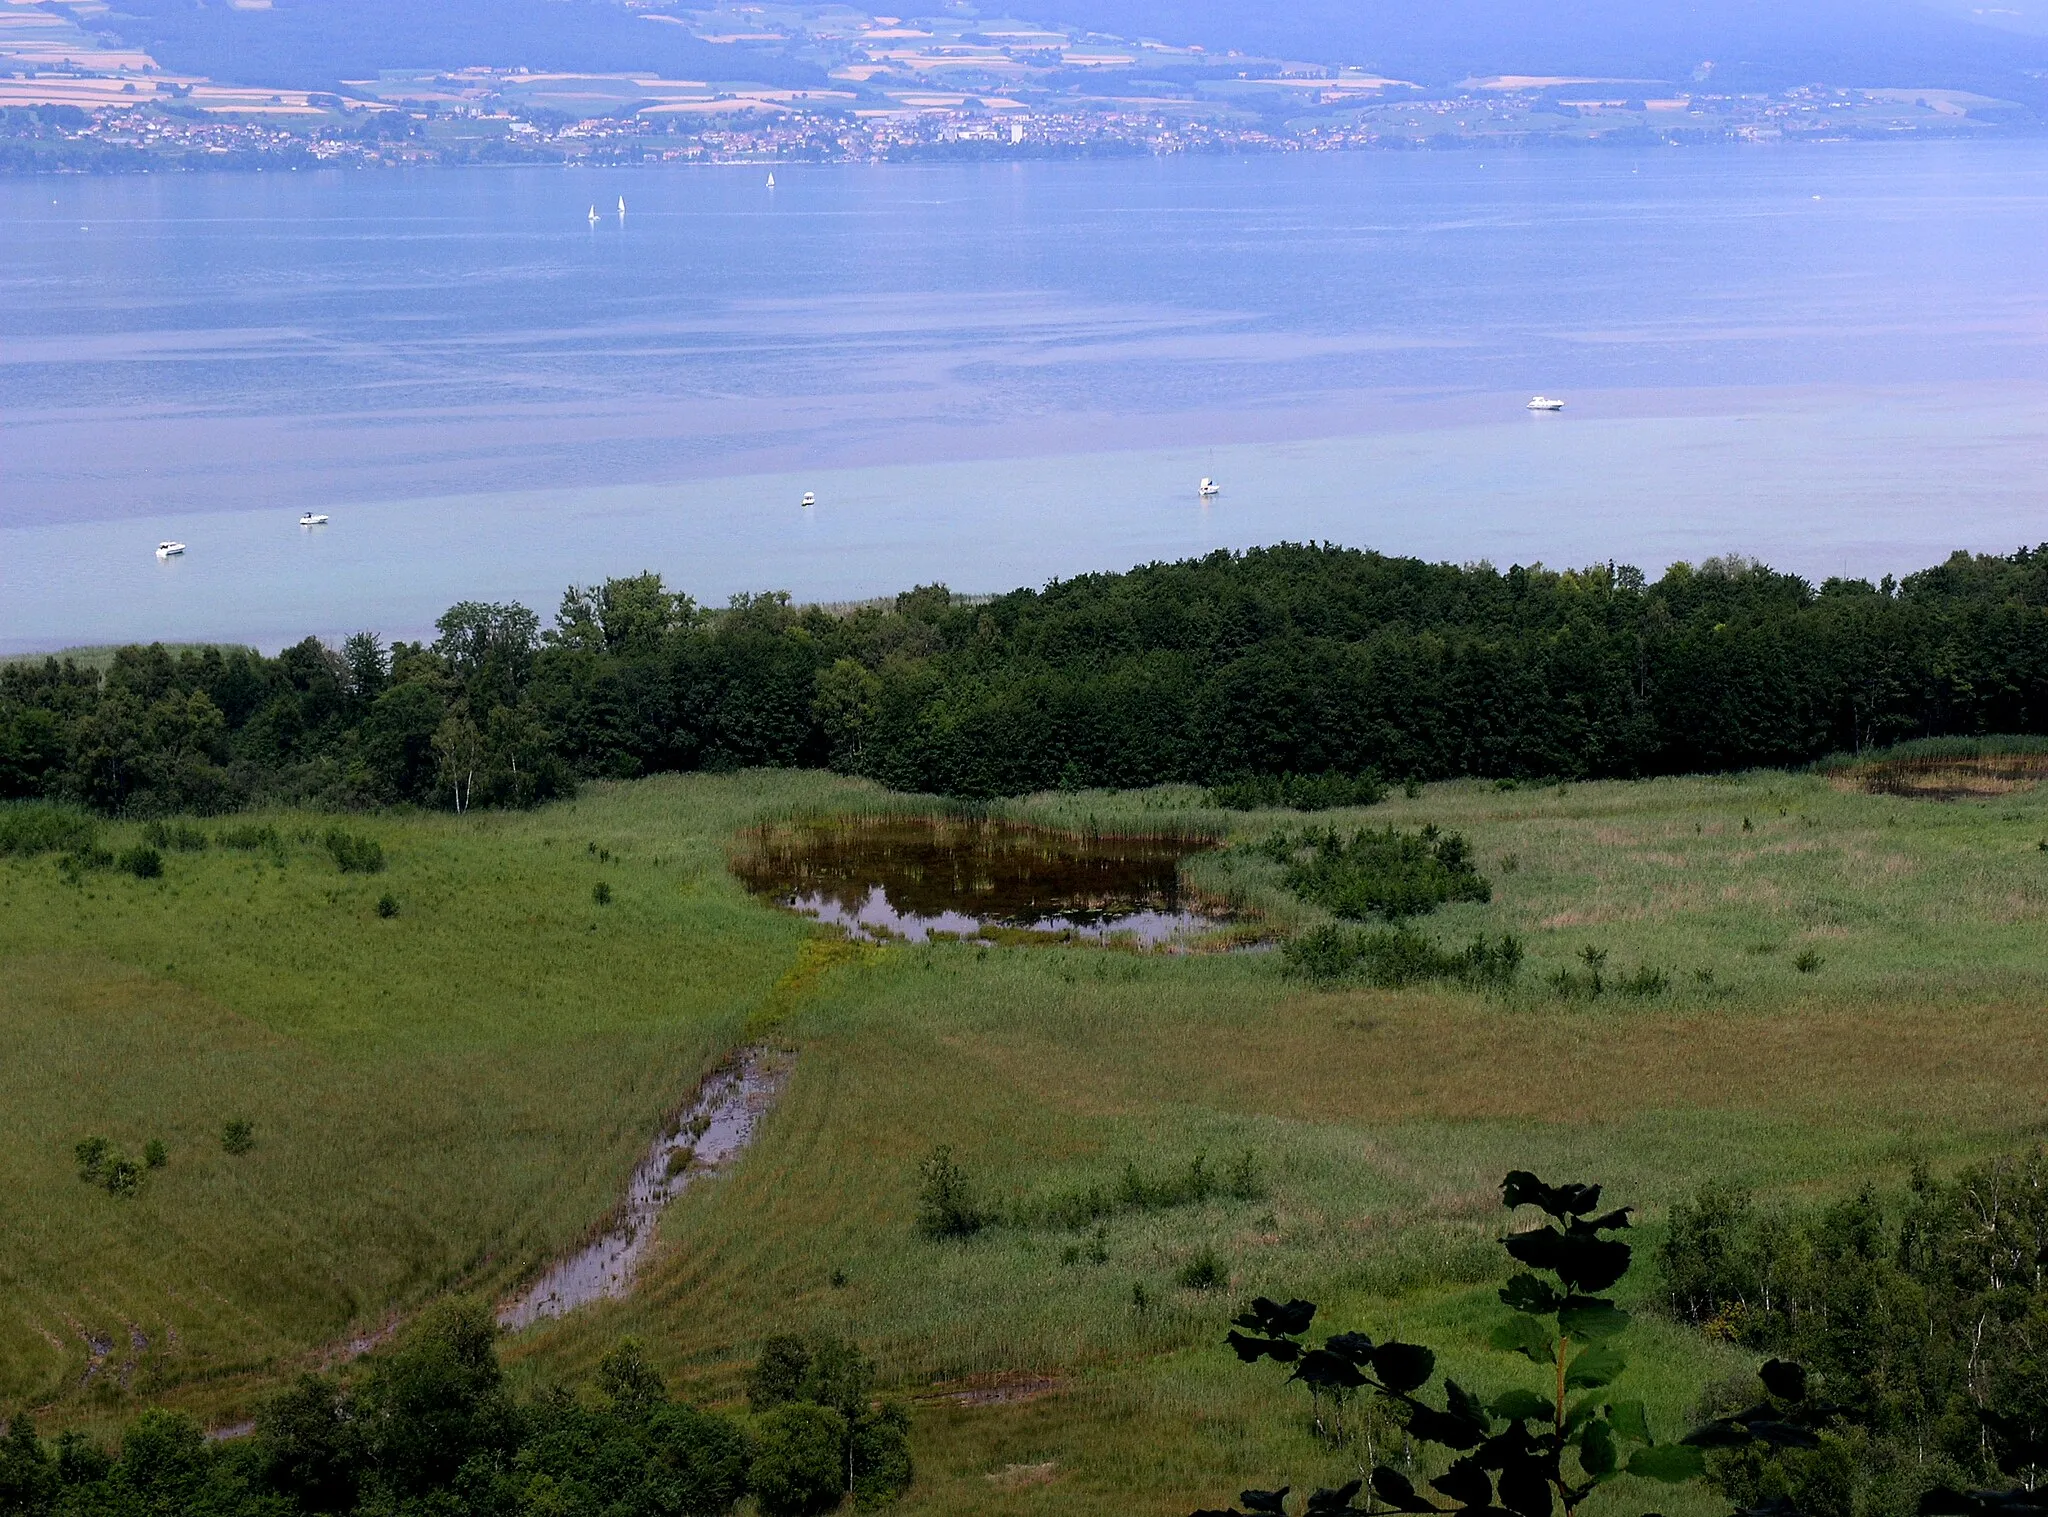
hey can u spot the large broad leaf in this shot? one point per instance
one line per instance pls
(1524, 1490)
(1630, 1421)
(1592, 1320)
(1596, 1449)
(1525, 1335)
(1265, 1501)
(1672, 1463)
(1327, 1371)
(1597, 1365)
(1522, 1406)
(1466, 1483)
(1446, 1428)
(1526, 1293)
(1583, 1261)
(1403, 1367)
(1465, 1404)
(1784, 1379)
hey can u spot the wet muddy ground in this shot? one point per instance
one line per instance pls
(716, 1129)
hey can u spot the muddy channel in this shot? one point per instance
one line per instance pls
(712, 1133)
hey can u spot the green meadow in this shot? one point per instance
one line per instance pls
(446, 1097)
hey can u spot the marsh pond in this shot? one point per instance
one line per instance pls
(918, 878)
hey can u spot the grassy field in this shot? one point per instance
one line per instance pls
(449, 1095)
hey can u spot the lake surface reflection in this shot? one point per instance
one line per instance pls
(913, 878)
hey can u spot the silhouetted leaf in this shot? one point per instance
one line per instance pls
(1265, 1501)
(1403, 1367)
(1446, 1428)
(1784, 1379)
(1521, 1188)
(1274, 1319)
(1465, 1483)
(1521, 1405)
(1672, 1463)
(1353, 1346)
(1524, 1490)
(1338, 1500)
(1398, 1491)
(1320, 1367)
(1252, 1350)
(1526, 1293)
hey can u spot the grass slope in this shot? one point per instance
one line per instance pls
(443, 1097)
(457, 1091)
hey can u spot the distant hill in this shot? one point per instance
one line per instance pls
(314, 44)
(1756, 44)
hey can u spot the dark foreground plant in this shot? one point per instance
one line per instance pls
(1531, 1452)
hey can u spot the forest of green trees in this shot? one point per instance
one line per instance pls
(1297, 660)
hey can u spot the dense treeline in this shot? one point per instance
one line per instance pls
(1923, 1321)
(1289, 660)
(431, 1429)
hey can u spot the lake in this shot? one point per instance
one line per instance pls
(1832, 357)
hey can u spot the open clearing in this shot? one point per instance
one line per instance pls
(450, 1096)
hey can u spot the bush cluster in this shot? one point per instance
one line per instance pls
(1392, 957)
(354, 854)
(1389, 873)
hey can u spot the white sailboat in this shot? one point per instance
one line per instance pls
(771, 180)
(593, 215)
(1209, 487)
(810, 499)
(622, 208)
(169, 549)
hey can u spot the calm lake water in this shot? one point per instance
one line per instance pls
(1832, 357)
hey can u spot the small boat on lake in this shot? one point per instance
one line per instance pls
(1545, 403)
(771, 181)
(169, 549)
(593, 215)
(622, 205)
(810, 499)
(1209, 487)
(312, 518)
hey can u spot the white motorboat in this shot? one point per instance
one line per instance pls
(1209, 487)
(169, 549)
(312, 518)
(1545, 403)
(810, 499)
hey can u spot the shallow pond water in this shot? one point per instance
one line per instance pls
(910, 878)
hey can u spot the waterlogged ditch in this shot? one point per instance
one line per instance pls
(924, 878)
(716, 1129)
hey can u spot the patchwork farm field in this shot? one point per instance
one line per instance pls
(1825, 987)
